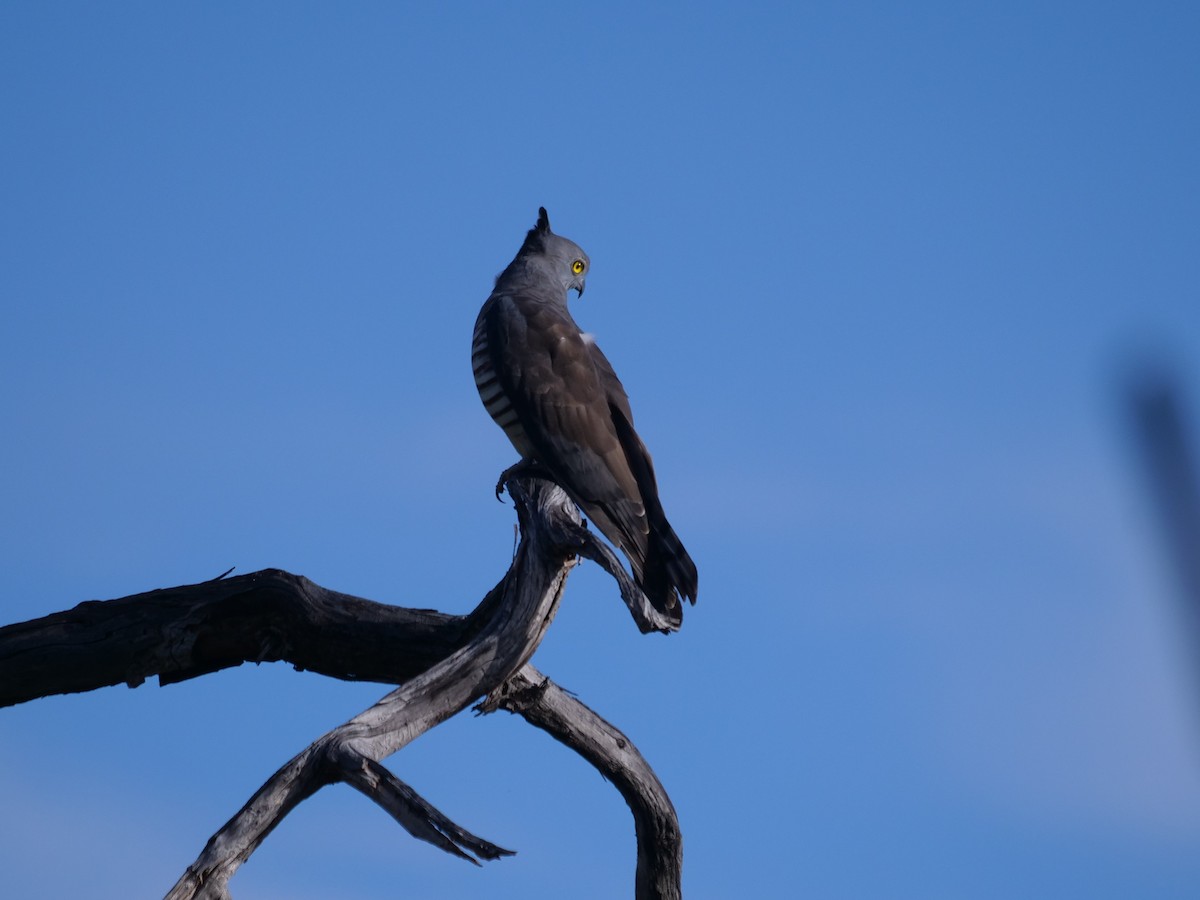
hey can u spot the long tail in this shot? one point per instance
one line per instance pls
(669, 574)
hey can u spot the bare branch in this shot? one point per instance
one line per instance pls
(644, 614)
(184, 632)
(529, 597)
(442, 663)
(414, 813)
(547, 706)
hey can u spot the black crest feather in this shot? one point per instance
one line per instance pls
(535, 239)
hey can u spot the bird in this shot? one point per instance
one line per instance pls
(552, 390)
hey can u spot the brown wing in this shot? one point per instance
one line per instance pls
(668, 569)
(545, 369)
(576, 417)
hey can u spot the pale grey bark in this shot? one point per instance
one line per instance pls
(442, 663)
(543, 703)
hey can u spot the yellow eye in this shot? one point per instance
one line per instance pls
(577, 266)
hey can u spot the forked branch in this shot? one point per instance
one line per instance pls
(442, 663)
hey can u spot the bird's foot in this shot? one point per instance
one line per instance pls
(526, 467)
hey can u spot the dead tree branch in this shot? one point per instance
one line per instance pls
(443, 664)
(543, 703)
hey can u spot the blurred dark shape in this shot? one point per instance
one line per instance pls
(1170, 463)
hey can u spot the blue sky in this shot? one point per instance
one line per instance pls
(870, 274)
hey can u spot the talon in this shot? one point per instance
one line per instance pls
(517, 468)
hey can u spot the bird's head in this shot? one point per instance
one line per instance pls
(560, 258)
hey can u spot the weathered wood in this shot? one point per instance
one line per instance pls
(442, 663)
(184, 632)
(544, 704)
(528, 598)
(268, 616)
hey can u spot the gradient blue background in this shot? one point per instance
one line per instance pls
(870, 276)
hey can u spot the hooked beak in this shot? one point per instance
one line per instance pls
(578, 288)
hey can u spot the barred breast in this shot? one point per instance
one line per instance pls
(490, 392)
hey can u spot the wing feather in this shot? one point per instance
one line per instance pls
(546, 370)
(577, 418)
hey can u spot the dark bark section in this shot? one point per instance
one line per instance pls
(195, 629)
(184, 632)
(443, 663)
(269, 616)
